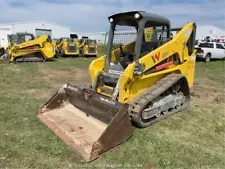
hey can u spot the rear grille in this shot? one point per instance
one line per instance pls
(72, 48)
(91, 50)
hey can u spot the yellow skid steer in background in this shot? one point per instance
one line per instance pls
(146, 79)
(27, 48)
(68, 47)
(88, 47)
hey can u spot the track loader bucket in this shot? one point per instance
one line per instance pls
(90, 123)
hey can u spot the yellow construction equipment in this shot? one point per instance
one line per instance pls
(68, 47)
(55, 42)
(12, 40)
(88, 47)
(144, 81)
(24, 47)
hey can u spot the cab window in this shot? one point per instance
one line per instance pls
(28, 38)
(206, 45)
(157, 33)
(219, 46)
(154, 36)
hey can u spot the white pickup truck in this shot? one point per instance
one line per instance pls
(210, 50)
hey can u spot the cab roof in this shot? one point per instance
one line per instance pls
(128, 17)
(65, 38)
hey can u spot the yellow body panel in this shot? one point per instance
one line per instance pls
(84, 48)
(86, 52)
(63, 46)
(31, 48)
(96, 66)
(131, 86)
(54, 44)
(10, 45)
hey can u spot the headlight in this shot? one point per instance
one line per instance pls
(137, 15)
(111, 20)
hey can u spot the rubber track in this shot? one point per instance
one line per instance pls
(140, 102)
(29, 60)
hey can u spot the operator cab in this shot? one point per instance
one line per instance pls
(132, 35)
(57, 41)
(91, 42)
(13, 39)
(25, 37)
(73, 36)
(88, 41)
(67, 39)
(84, 38)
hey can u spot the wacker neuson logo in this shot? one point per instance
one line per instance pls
(73, 88)
(107, 101)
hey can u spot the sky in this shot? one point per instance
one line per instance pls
(91, 15)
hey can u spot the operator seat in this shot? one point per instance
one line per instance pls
(127, 59)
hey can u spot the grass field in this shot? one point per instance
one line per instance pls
(192, 139)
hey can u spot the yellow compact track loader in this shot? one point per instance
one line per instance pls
(68, 47)
(88, 47)
(24, 47)
(144, 80)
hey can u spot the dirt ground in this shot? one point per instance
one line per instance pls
(207, 92)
